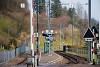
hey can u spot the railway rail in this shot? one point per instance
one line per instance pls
(73, 59)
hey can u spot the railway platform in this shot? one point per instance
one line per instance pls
(51, 58)
(47, 60)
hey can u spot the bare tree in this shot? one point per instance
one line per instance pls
(79, 10)
(82, 21)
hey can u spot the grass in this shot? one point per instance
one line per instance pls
(95, 57)
(5, 23)
(83, 55)
(1, 49)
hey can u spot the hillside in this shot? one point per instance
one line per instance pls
(5, 25)
(14, 23)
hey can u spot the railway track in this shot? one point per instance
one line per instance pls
(73, 59)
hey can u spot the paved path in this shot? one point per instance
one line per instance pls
(58, 65)
(51, 58)
(70, 65)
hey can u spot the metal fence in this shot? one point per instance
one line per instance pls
(79, 52)
(53, 48)
(98, 55)
(57, 48)
(6, 56)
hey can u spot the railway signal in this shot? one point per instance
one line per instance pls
(49, 35)
(49, 39)
(95, 32)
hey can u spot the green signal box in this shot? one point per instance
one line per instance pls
(46, 47)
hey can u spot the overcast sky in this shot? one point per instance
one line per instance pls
(95, 6)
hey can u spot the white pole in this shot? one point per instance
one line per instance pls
(60, 36)
(93, 48)
(99, 31)
(31, 29)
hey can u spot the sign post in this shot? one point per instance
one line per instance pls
(88, 36)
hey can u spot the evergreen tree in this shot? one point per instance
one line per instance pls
(56, 8)
(71, 12)
(41, 6)
(64, 10)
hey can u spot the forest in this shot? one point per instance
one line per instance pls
(15, 21)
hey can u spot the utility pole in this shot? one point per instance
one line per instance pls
(49, 24)
(72, 31)
(89, 25)
(72, 21)
(60, 36)
(99, 33)
(89, 12)
(63, 33)
(37, 46)
(8, 31)
(49, 15)
(99, 29)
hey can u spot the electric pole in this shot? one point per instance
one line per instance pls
(89, 25)
(49, 15)
(37, 46)
(89, 11)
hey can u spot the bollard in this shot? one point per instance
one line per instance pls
(93, 61)
(64, 48)
(30, 62)
(36, 60)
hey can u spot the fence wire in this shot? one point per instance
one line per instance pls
(6, 56)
